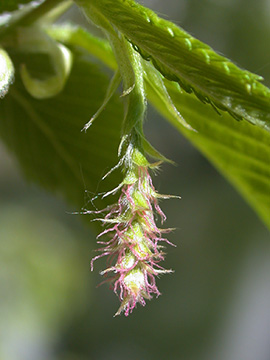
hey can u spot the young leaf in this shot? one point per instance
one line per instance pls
(46, 136)
(239, 150)
(188, 61)
(33, 40)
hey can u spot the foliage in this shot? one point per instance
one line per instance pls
(239, 150)
(61, 83)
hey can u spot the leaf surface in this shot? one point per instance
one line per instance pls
(46, 137)
(182, 58)
(239, 150)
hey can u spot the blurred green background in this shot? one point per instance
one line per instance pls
(215, 305)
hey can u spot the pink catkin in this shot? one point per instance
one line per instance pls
(122, 247)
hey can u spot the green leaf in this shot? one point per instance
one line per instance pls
(188, 61)
(239, 150)
(6, 72)
(12, 5)
(46, 136)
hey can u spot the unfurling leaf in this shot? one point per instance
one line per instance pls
(34, 40)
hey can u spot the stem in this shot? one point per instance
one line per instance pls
(30, 17)
(130, 67)
(131, 70)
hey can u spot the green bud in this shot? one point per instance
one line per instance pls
(139, 200)
(139, 159)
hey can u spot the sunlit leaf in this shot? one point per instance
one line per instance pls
(194, 65)
(239, 150)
